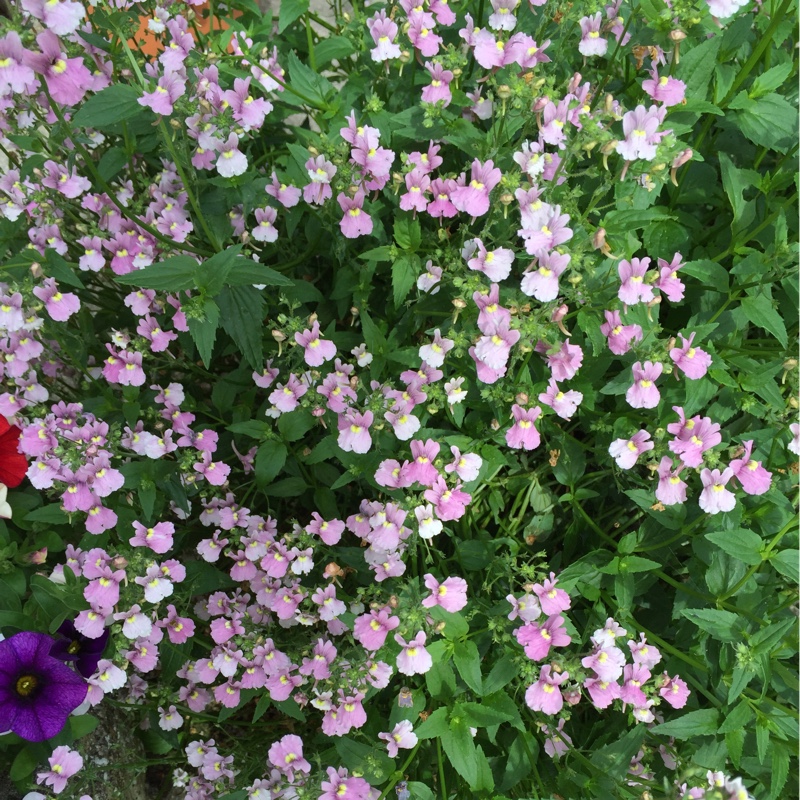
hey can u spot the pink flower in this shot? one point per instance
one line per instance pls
(64, 763)
(566, 361)
(538, 639)
(67, 79)
(466, 465)
(644, 393)
(370, 630)
(413, 659)
(265, 230)
(316, 351)
(473, 198)
(439, 87)
(634, 676)
(435, 352)
(626, 452)
(545, 695)
(423, 38)
(441, 191)
(607, 662)
(667, 90)
(62, 17)
(354, 436)
(158, 538)
(602, 692)
(552, 600)
(693, 437)
(753, 478)
(619, 336)
(401, 737)
(421, 469)
(417, 185)
(523, 433)
(542, 283)
(669, 282)
(632, 274)
(591, 43)
(162, 99)
(329, 531)
(231, 161)
(674, 691)
(494, 348)
(641, 133)
(287, 196)
(60, 306)
(355, 222)
(451, 594)
(286, 755)
(495, 264)
(715, 497)
(383, 31)
(563, 403)
(450, 504)
(691, 361)
(671, 489)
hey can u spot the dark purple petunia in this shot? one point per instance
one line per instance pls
(37, 692)
(72, 645)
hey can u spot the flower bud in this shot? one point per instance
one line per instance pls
(278, 336)
(677, 35)
(599, 239)
(521, 399)
(494, 425)
(539, 104)
(459, 303)
(504, 91)
(574, 83)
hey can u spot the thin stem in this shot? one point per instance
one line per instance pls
(442, 782)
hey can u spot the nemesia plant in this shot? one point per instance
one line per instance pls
(391, 408)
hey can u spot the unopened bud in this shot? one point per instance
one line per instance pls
(521, 399)
(313, 318)
(574, 83)
(459, 303)
(433, 409)
(278, 336)
(317, 411)
(506, 198)
(494, 425)
(457, 72)
(503, 91)
(682, 158)
(609, 147)
(599, 239)
(175, 124)
(540, 104)
(405, 56)
(393, 601)
(37, 556)
(608, 103)
(313, 150)
(677, 35)
(354, 312)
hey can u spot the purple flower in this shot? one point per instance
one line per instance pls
(355, 222)
(591, 43)
(632, 274)
(753, 478)
(715, 497)
(551, 600)
(65, 181)
(71, 645)
(158, 538)
(674, 691)
(644, 393)
(671, 489)
(64, 763)
(667, 90)
(626, 452)
(691, 361)
(545, 695)
(287, 196)
(286, 755)
(67, 79)
(641, 133)
(37, 691)
(60, 306)
(439, 87)
(523, 432)
(383, 31)
(450, 504)
(316, 351)
(162, 99)
(246, 109)
(619, 336)
(413, 659)
(441, 191)
(417, 184)
(473, 198)
(538, 639)
(62, 17)
(265, 230)
(422, 37)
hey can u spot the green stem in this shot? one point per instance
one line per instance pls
(399, 774)
(310, 39)
(442, 782)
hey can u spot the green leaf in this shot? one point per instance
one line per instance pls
(722, 625)
(242, 315)
(251, 427)
(741, 677)
(51, 514)
(760, 311)
(502, 673)
(769, 121)
(407, 233)
(695, 723)
(619, 223)
(434, 726)
(83, 725)
(419, 791)
(290, 708)
(786, 562)
(211, 275)
(57, 267)
(312, 86)
(332, 48)
(24, 764)
(740, 717)
(709, 273)
(290, 11)
(780, 770)
(112, 105)
(403, 278)
(288, 487)
(361, 759)
(734, 741)
(762, 739)
(742, 544)
(112, 163)
(246, 272)
(697, 67)
(468, 663)
(296, 424)
(482, 716)
(521, 755)
(170, 275)
(270, 458)
(460, 749)
(204, 332)
(735, 181)
(455, 626)
(770, 80)
(615, 758)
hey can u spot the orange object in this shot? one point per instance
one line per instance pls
(150, 44)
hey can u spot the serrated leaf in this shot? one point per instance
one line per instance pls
(740, 543)
(460, 750)
(112, 105)
(502, 673)
(695, 723)
(481, 716)
(434, 726)
(722, 625)
(786, 562)
(740, 717)
(760, 311)
(762, 739)
(403, 278)
(211, 274)
(741, 677)
(370, 762)
(779, 772)
(709, 273)
(51, 513)
(290, 10)
(333, 48)
(697, 67)
(242, 317)
(315, 89)
(455, 626)
(468, 663)
(770, 80)
(204, 332)
(170, 275)
(246, 272)
(769, 121)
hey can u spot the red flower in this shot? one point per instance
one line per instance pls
(13, 464)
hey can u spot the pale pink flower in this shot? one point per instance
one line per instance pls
(451, 594)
